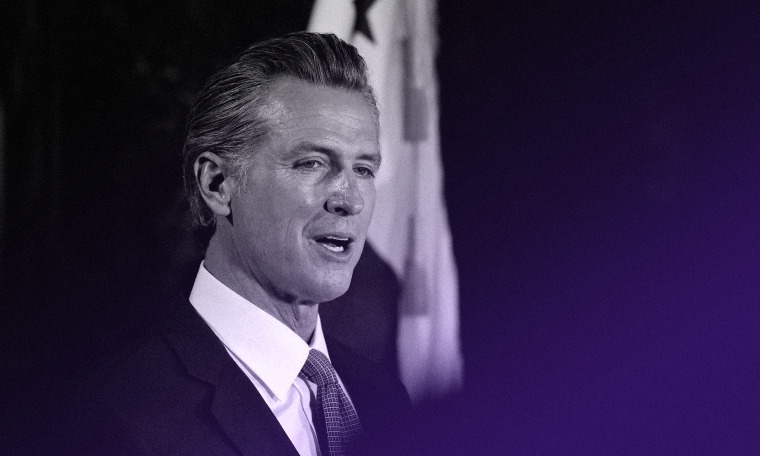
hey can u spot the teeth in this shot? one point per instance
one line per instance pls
(334, 243)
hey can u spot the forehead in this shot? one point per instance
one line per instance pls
(295, 107)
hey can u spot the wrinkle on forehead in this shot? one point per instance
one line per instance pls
(279, 102)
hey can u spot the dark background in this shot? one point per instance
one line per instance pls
(601, 165)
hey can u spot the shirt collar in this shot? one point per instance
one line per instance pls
(270, 351)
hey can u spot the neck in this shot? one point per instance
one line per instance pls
(299, 316)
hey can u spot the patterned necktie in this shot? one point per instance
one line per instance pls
(338, 420)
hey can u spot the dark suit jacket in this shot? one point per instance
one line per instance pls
(178, 392)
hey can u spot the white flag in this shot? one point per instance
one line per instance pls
(398, 39)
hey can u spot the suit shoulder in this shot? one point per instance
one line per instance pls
(174, 359)
(141, 399)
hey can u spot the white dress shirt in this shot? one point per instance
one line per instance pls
(269, 353)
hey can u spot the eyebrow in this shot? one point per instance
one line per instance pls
(374, 158)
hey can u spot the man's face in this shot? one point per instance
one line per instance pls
(301, 216)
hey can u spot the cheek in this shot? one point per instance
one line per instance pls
(291, 213)
(286, 202)
(282, 210)
(296, 193)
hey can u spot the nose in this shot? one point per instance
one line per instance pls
(345, 198)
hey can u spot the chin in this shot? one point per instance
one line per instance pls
(327, 291)
(334, 292)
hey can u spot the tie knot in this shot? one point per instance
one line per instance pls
(318, 369)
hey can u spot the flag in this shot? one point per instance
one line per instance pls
(398, 40)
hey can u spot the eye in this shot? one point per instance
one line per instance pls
(308, 164)
(365, 171)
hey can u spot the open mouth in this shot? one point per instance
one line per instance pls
(335, 243)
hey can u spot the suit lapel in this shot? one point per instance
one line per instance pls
(245, 417)
(236, 405)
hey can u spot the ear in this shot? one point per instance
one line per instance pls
(215, 185)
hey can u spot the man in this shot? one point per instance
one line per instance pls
(280, 158)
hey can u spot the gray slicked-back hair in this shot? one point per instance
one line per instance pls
(226, 119)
